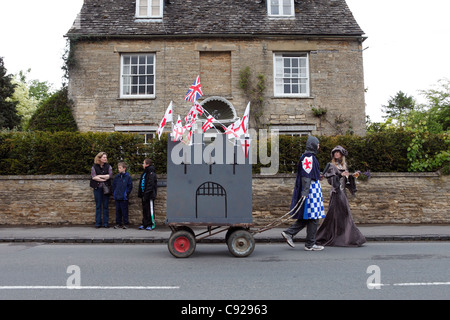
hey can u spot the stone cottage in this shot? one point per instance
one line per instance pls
(130, 58)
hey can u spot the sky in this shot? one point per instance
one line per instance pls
(407, 47)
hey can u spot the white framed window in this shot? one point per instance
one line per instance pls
(291, 75)
(148, 132)
(149, 8)
(137, 78)
(281, 8)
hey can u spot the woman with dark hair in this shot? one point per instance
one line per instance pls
(101, 174)
(338, 228)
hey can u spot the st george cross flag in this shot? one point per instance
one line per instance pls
(230, 130)
(199, 108)
(178, 130)
(243, 125)
(195, 91)
(168, 117)
(240, 127)
(208, 124)
(245, 143)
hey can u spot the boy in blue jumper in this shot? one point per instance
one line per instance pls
(122, 186)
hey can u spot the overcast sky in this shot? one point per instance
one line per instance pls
(407, 49)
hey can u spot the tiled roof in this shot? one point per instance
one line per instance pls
(215, 17)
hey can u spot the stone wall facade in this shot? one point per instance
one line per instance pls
(336, 81)
(387, 198)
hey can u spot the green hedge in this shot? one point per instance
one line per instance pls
(33, 153)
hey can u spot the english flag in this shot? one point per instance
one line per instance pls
(208, 124)
(195, 91)
(178, 130)
(245, 143)
(168, 117)
(240, 127)
(199, 108)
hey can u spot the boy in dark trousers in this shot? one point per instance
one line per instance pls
(147, 191)
(122, 186)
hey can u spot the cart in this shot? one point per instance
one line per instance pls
(209, 185)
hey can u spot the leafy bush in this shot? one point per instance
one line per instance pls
(31, 153)
(54, 114)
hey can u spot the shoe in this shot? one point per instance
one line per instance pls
(118, 226)
(149, 228)
(288, 239)
(314, 248)
(141, 228)
(124, 227)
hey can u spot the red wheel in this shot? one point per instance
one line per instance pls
(182, 244)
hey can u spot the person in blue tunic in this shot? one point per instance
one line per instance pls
(307, 187)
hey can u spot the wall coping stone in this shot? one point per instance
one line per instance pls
(255, 176)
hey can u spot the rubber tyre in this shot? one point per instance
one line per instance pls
(241, 243)
(182, 244)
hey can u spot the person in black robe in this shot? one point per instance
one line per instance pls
(307, 202)
(338, 228)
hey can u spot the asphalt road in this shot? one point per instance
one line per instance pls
(407, 270)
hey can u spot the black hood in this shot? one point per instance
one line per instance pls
(312, 145)
(340, 149)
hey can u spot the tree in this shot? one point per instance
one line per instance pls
(28, 95)
(54, 114)
(8, 113)
(438, 107)
(399, 107)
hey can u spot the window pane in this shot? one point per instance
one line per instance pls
(155, 7)
(287, 9)
(293, 79)
(143, 8)
(138, 74)
(274, 7)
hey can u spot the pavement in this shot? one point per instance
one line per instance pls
(161, 234)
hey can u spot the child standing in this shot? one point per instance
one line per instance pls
(122, 186)
(147, 191)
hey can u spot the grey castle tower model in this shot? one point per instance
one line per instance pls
(208, 184)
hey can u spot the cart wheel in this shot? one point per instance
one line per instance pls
(241, 243)
(182, 244)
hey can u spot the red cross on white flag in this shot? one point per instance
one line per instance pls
(240, 127)
(168, 117)
(208, 124)
(245, 143)
(178, 130)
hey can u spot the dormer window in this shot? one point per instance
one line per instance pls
(280, 8)
(149, 9)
